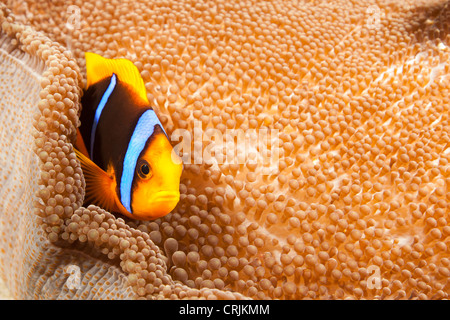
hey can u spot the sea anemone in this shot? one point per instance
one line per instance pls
(356, 205)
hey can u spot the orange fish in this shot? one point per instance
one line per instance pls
(128, 162)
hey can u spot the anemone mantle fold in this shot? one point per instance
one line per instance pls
(356, 207)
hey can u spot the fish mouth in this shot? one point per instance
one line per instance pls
(161, 203)
(165, 196)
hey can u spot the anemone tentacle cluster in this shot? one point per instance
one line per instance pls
(358, 92)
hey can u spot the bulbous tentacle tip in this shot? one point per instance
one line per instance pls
(328, 175)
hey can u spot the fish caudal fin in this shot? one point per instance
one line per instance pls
(100, 186)
(99, 68)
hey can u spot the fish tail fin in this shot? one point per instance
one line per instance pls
(100, 186)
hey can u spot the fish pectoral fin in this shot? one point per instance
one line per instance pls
(79, 143)
(100, 186)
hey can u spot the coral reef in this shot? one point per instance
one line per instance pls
(356, 207)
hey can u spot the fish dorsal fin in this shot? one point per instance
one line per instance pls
(99, 68)
(100, 186)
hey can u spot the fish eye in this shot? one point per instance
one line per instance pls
(144, 170)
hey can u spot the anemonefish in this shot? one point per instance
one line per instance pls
(127, 160)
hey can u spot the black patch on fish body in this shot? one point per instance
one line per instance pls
(89, 101)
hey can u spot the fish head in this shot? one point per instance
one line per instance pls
(157, 187)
